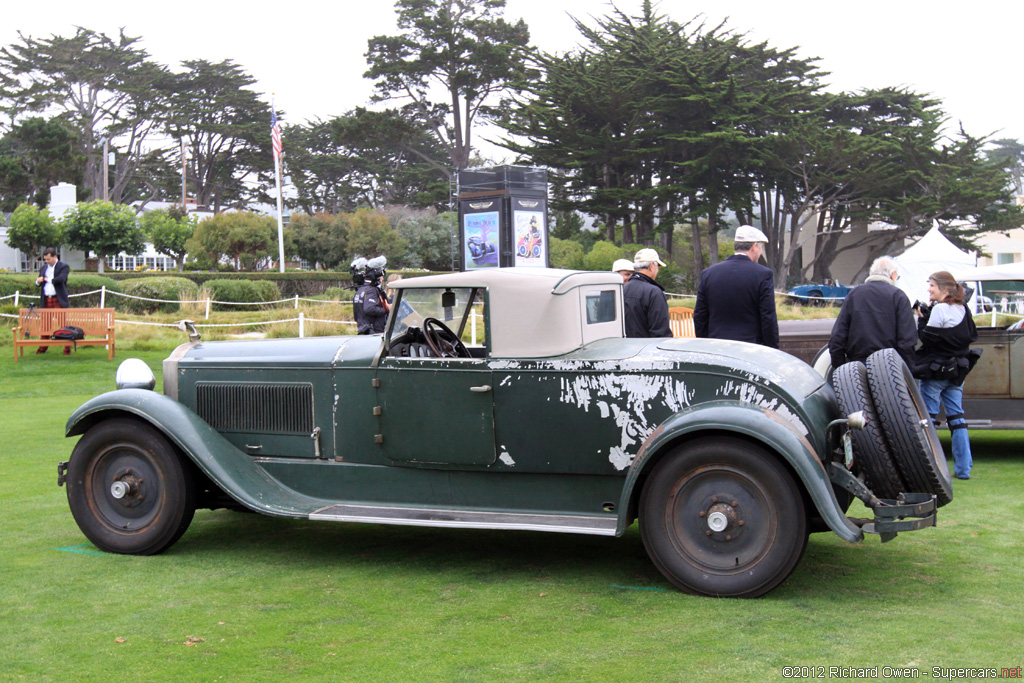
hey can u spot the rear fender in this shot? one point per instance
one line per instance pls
(234, 471)
(780, 435)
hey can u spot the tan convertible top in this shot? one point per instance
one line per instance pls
(534, 312)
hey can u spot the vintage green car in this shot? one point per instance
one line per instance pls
(496, 399)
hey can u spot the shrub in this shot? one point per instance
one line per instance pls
(170, 289)
(601, 256)
(242, 291)
(340, 293)
(566, 254)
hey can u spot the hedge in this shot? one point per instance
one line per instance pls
(304, 283)
(242, 291)
(170, 289)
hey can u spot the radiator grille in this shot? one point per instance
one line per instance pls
(256, 407)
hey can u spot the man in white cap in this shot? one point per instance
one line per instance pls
(644, 299)
(736, 298)
(623, 267)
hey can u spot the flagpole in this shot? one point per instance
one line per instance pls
(277, 174)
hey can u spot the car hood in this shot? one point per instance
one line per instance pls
(306, 352)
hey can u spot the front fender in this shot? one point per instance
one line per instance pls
(777, 433)
(234, 471)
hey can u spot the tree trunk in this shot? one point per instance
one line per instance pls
(698, 257)
(627, 232)
(712, 238)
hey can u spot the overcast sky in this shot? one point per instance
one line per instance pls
(310, 53)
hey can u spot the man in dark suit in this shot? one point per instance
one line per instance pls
(736, 298)
(53, 285)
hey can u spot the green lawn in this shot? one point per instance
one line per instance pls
(248, 598)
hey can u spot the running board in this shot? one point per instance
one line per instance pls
(467, 519)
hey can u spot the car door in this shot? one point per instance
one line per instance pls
(436, 411)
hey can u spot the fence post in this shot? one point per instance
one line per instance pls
(17, 292)
(296, 302)
(103, 296)
(207, 308)
(302, 325)
(472, 325)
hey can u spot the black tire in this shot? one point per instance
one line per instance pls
(907, 426)
(156, 493)
(748, 502)
(817, 297)
(870, 449)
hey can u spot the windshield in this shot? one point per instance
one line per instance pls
(460, 308)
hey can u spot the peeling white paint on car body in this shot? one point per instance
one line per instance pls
(746, 392)
(506, 458)
(626, 399)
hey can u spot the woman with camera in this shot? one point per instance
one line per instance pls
(946, 330)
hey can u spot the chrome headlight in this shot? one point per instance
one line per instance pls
(134, 374)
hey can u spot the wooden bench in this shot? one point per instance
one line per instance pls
(680, 320)
(97, 323)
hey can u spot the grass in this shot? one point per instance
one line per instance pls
(246, 597)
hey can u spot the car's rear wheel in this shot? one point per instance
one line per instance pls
(871, 450)
(129, 489)
(722, 517)
(816, 297)
(907, 426)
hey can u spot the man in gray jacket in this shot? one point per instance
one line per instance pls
(875, 315)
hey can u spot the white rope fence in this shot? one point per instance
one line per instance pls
(302, 320)
(103, 291)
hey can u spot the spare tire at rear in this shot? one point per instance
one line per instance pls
(870, 449)
(907, 426)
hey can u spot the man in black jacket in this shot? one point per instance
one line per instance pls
(53, 286)
(736, 298)
(875, 315)
(53, 281)
(644, 299)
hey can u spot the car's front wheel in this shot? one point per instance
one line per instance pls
(722, 517)
(129, 489)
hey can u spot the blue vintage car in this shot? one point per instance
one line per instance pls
(507, 399)
(828, 292)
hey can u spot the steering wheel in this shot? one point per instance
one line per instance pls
(442, 341)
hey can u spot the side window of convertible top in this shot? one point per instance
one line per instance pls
(600, 306)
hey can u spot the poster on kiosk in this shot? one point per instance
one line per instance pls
(503, 217)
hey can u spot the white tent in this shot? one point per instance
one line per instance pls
(1005, 271)
(928, 255)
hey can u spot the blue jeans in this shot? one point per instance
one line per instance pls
(951, 397)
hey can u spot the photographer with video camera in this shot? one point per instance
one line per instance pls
(370, 305)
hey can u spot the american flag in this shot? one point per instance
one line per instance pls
(275, 134)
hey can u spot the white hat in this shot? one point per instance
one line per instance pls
(622, 264)
(748, 233)
(648, 256)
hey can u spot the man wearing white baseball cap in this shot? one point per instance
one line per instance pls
(736, 298)
(623, 267)
(644, 299)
